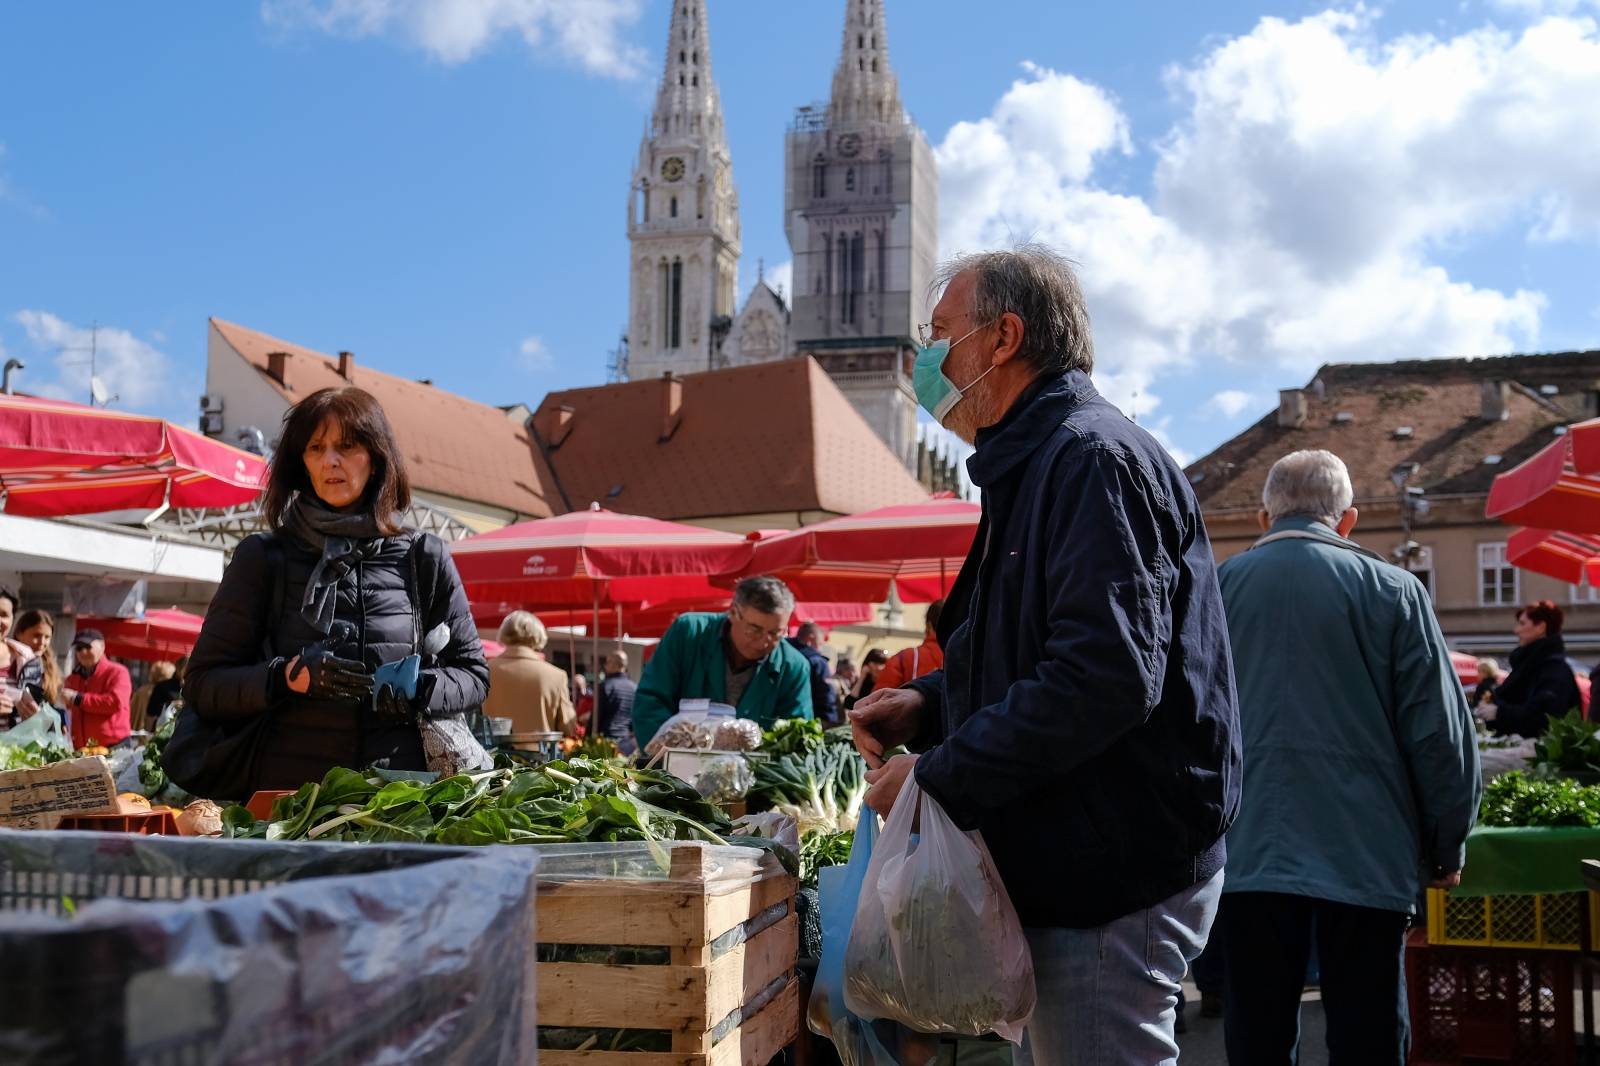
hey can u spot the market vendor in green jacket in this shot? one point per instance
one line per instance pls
(739, 658)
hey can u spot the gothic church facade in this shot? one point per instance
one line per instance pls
(860, 213)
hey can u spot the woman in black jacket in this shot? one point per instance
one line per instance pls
(305, 614)
(1541, 685)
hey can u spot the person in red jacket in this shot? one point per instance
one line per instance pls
(925, 658)
(98, 692)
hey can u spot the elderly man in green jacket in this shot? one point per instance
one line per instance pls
(1360, 774)
(739, 658)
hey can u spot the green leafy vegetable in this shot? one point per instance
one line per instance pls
(1517, 799)
(1569, 746)
(558, 803)
(819, 849)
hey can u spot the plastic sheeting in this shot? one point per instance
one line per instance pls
(191, 951)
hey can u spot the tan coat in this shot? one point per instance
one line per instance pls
(534, 694)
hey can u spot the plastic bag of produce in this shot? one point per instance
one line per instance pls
(858, 1041)
(684, 730)
(43, 729)
(936, 944)
(725, 779)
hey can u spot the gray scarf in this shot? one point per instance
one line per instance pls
(343, 539)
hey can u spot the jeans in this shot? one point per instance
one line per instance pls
(1268, 937)
(1109, 996)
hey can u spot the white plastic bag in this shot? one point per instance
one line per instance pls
(936, 944)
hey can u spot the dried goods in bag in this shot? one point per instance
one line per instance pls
(936, 944)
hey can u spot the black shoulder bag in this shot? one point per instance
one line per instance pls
(217, 760)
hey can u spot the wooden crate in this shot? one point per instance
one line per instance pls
(698, 990)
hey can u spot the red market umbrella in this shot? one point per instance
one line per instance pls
(1557, 488)
(916, 548)
(595, 559)
(160, 636)
(59, 458)
(1466, 668)
(650, 620)
(1566, 557)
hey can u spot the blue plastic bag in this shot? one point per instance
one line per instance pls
(859, 1041)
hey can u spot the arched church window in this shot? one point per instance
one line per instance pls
(643, 207)
(861, 65)
(697, 59)
(700, 198)
(819, 178)
(850, 180)
(696, 81)
(683, 57)
(680, 79)
(674, 207)
(874, 66)
(861, 40)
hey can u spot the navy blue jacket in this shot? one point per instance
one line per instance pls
(1085, 719)
(824, 701)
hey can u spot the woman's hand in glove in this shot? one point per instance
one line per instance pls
(390, 704)
(319, 673)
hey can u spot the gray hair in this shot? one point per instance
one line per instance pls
(619, 657)
(521, 629)
(1310, 484)
(1038, 285)
(765, 594)
(808, 630)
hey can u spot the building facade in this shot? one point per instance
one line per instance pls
(683, 215)
(860, 213)
(1424, 441)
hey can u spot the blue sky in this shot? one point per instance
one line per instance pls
(1251, 189)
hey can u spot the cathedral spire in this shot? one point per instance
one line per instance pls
(687, 103)
(864, 86)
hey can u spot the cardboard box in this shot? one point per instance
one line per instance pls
(36, 799)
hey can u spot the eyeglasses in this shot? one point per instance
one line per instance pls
(927, 333)
(755, 632)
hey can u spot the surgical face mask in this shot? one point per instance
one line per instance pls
(937, 394)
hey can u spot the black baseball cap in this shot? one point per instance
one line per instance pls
(86, 637)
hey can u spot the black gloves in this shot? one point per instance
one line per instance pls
(392, 705)
(333, 678)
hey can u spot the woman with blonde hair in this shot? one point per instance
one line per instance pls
(525, 688)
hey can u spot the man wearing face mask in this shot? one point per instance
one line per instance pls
(1085, 719)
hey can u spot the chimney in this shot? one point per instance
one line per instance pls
(1291, 408)
(278, 367)
(1496, 401)
(671, 405)
(347, 366)
(554, 425)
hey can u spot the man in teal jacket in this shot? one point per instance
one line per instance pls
(739, 658)
(1360, 774)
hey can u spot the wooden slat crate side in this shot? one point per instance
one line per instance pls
(650, 913)
(619, 912)
(754, 1044)
(685, 999)
(589, 996)
(728, 910)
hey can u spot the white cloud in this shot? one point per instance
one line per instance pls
(133, 371)
(534, 355)
(587, 32)
(1230, 403)
(1300, 203)
(781, 278)
(1540, 8)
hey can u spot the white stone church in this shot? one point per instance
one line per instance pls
(861, 213)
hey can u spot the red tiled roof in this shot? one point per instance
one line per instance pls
(775, 437)
(453, 446)
(1440, 400)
